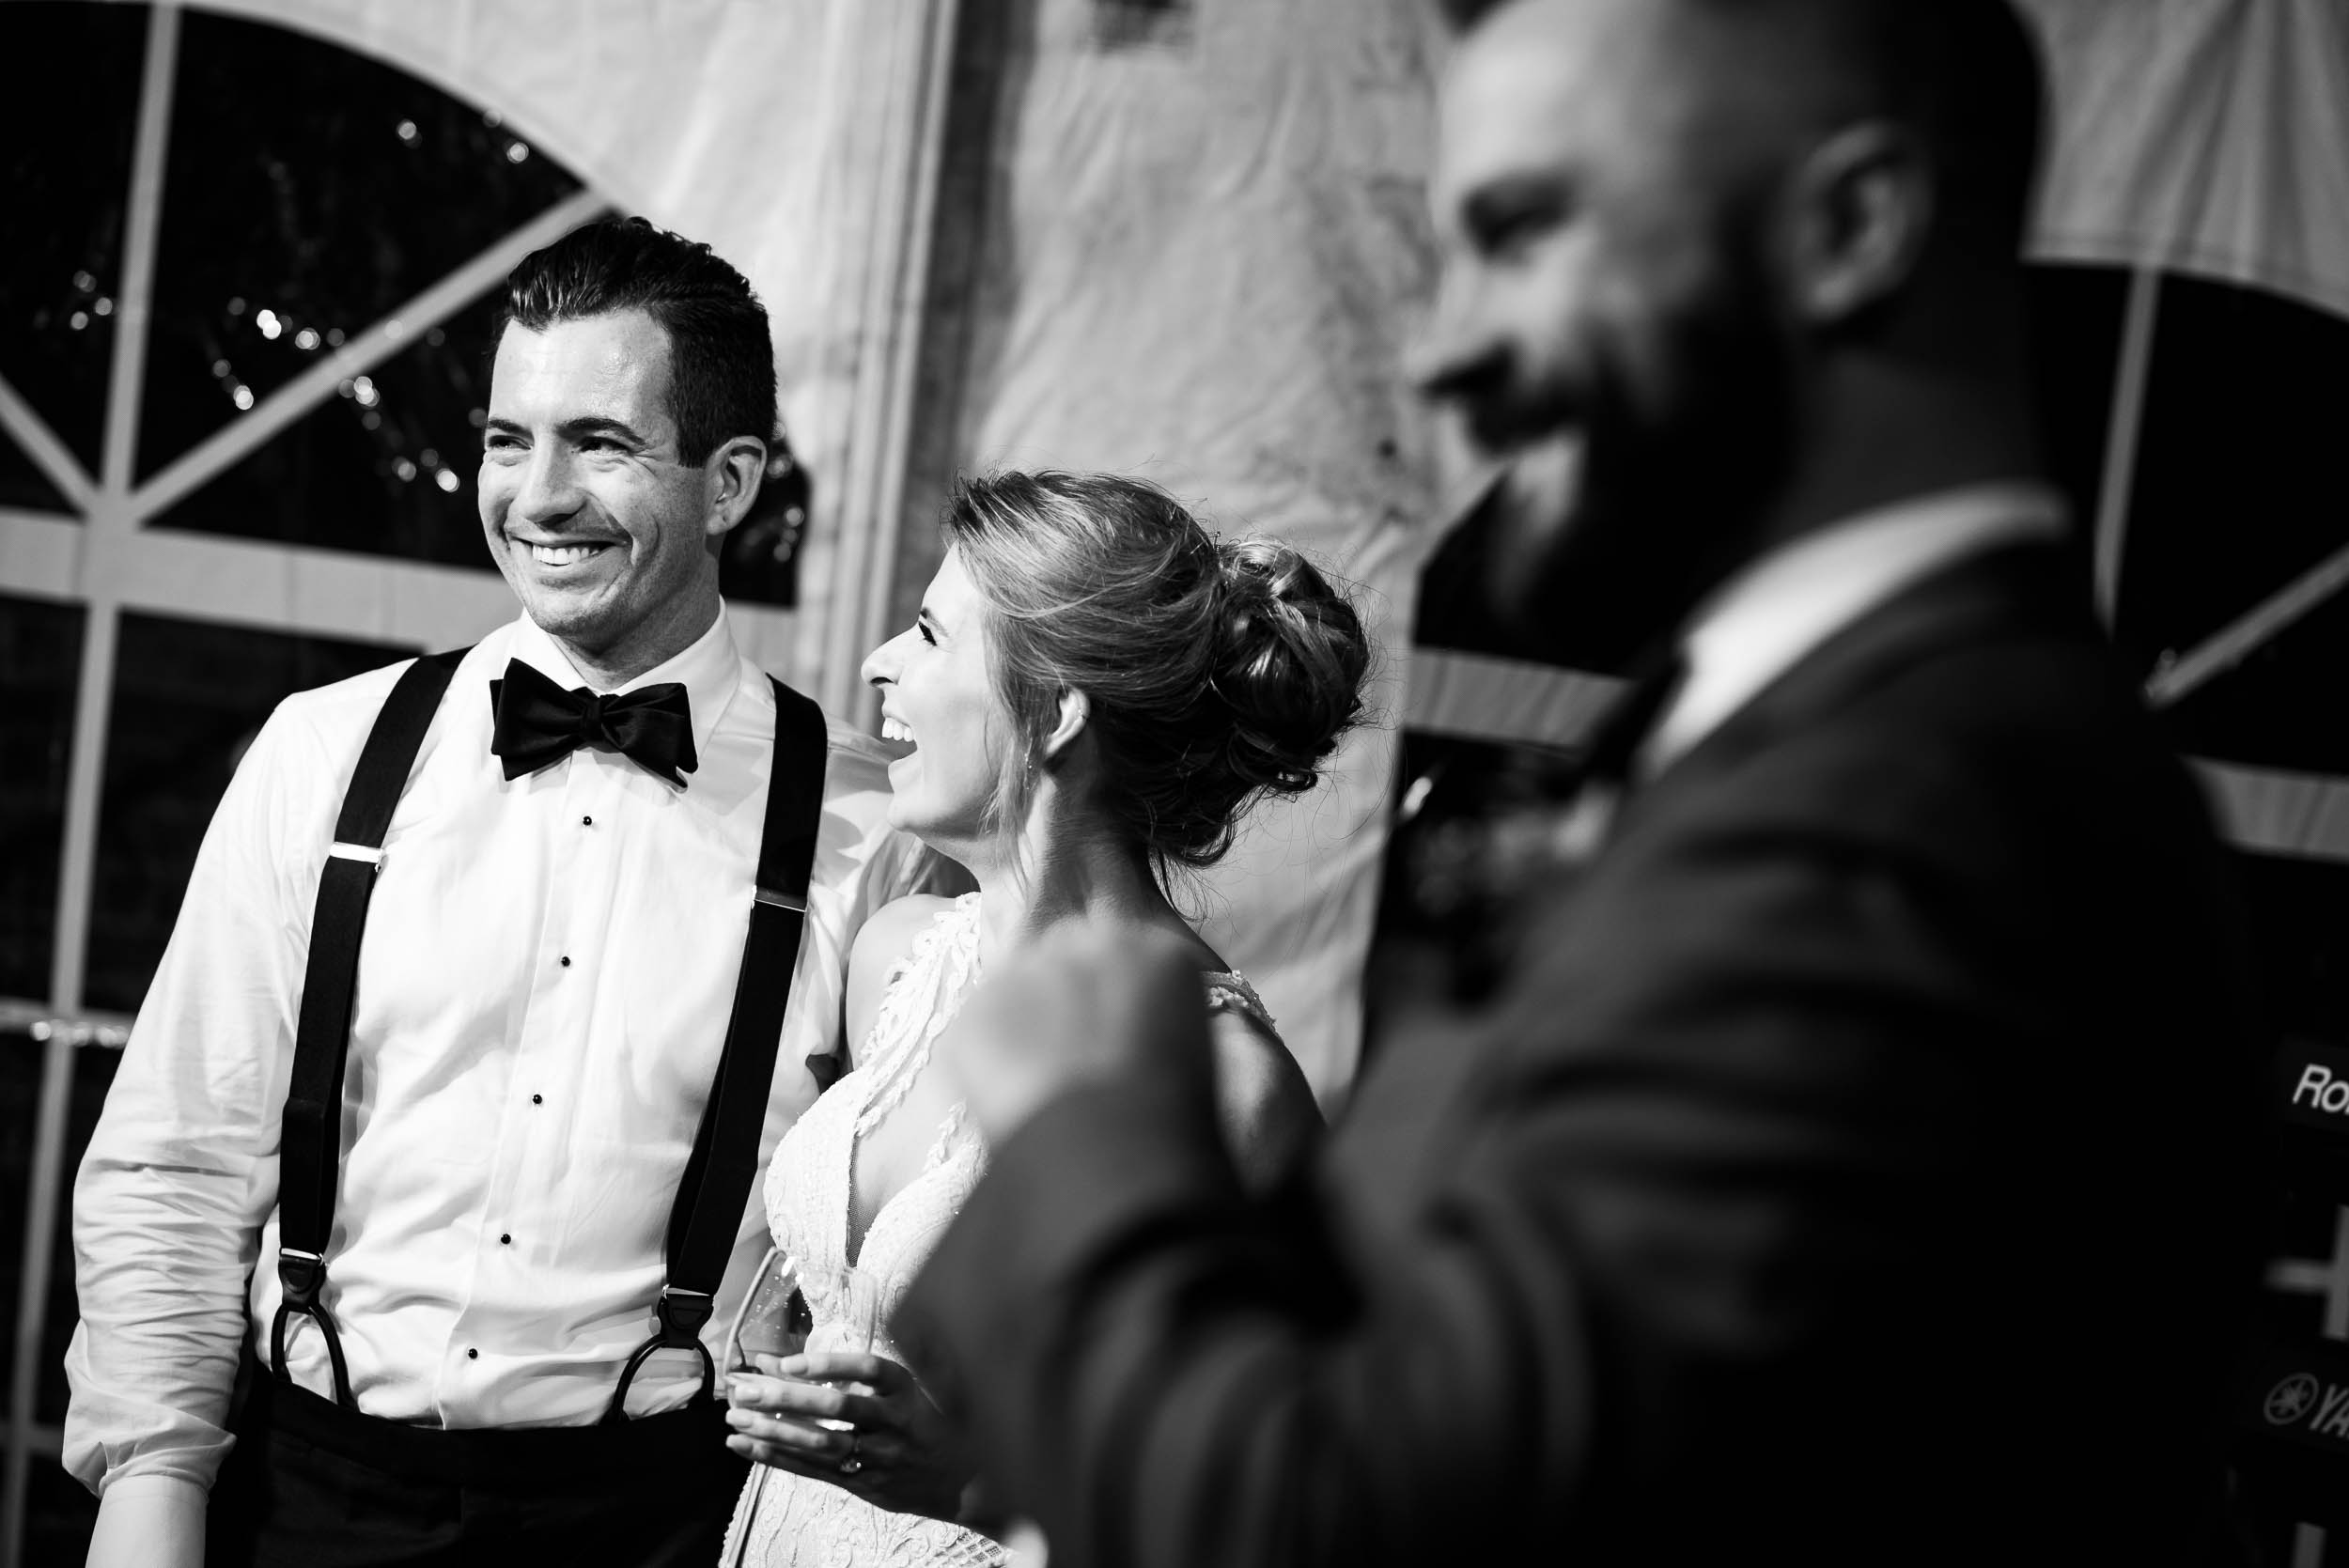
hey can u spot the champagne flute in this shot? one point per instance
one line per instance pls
(772, 1321)
(844, 1308)
(773, 1317)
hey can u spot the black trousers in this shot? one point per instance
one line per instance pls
(310, 1484)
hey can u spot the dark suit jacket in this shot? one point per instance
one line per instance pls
(1851, 1168)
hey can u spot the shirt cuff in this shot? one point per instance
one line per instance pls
(152, 1486)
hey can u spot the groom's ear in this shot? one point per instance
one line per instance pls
(1075, 708)
(734, 471)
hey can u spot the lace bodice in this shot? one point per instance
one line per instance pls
(785, 1519)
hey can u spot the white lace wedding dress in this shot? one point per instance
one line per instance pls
(786, 1520)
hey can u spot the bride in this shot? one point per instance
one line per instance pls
(1094, 691)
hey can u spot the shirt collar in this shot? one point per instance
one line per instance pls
(1762, 621)
(710, 668)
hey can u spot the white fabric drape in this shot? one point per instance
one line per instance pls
(1209, 246)
(2207, 136)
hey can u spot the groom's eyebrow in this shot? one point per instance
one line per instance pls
(599, 424)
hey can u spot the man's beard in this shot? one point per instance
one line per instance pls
(1616, 520)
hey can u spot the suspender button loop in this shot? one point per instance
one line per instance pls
(300, 1273)
(680, 1315)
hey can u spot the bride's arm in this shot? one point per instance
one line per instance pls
(1264, 1104)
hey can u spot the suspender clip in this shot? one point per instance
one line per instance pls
(681, 1315)
(300, 1273)
(781, 900)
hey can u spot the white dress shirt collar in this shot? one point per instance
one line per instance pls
(710, 668)
(1759, 624)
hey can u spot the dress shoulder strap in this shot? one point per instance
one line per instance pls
(1228, 991)
(918, 1003)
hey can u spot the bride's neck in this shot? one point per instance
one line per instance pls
(1066, 871)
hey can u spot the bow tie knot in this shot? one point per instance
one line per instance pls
(538, 723)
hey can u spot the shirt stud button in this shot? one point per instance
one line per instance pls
(586, 821)
(537, 1099)
(472, 1355)
(567, 960)
(507, 1240)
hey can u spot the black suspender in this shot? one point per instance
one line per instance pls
(709, 1210)
(309, 1151)
(717, 1175)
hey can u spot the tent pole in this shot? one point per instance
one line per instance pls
(2120, 430)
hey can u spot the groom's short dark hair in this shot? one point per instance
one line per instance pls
(721, 360)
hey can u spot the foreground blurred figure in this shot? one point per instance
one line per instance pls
(1850, 1165)
(1094, 691)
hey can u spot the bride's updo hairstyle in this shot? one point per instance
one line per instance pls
(1215, 672)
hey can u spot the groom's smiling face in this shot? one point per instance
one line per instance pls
(601, 530)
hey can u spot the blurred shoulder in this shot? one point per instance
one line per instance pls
(1265, 1106)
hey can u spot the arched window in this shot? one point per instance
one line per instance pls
(246, 316)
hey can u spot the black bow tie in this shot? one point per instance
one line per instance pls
(540, 724)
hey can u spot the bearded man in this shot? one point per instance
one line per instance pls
(1849, 1164)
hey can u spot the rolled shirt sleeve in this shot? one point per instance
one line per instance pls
(179, 1174)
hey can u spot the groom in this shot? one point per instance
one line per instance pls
(1850, 1167)
(488, 1242)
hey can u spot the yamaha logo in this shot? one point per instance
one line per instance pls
(2288, 1399)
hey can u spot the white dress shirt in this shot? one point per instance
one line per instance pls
(549, 967)
(1760, 622)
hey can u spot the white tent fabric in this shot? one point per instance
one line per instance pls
(2205, 136)
(1208, 249)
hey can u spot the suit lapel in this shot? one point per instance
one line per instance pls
(2017, 590)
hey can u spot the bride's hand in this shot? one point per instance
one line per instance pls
(900, 1454)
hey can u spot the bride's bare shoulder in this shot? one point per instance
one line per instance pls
(884, 939)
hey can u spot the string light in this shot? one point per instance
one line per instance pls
(447, 480)
(79, 320)
(333, 337)
(364, 389)
(406, 131)
(85, 282)
(242, 395)
(516, 152)
(405, 469)
(102, 305)
(267, 320)
(306, 338)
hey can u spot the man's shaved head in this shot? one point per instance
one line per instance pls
(1963, 75)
